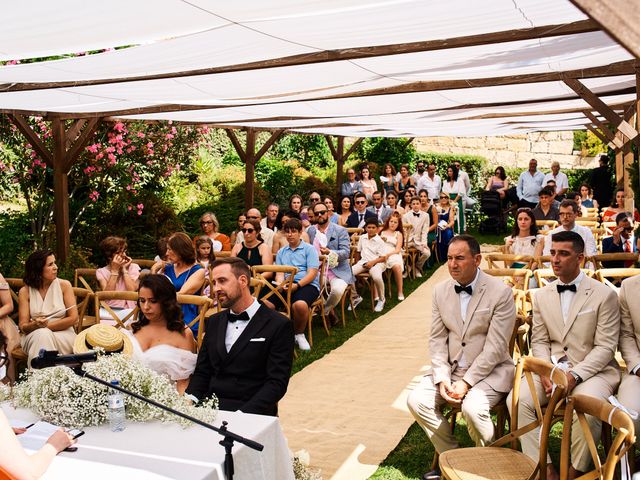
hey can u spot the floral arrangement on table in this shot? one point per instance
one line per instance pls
(61, 397)
(301, 470)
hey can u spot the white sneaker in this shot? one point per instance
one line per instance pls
(400, 298)
(405, 274)
(379, 305)
(418, 273)
(356, 301)
(301, 340)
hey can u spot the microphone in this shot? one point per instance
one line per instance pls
(50, 358)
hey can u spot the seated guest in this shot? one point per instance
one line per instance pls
(159, 336)
(430, 209)
(306, 287)
(498, 182)
(576, 321)
(370, 258)
(247, 353)
(381, 210)
(279, 238)
(346, 209)
(210, 226)
(204, 252)
(418, 235)
(46, 307)
(252, 250)
(266, 233)
(360, 214)
(239, 222)
(352, 185)
(333, 216)
(295, 203)
(9, 329)
(393, 237)
(525, 239)
(120, 275)
(622, 240)
(186, 275)
(629, 347)
(327, 237)
(405, 201)
(368, 184)
(552, 185)
(392, 202)
(575, 196)
(586, 193)
(473, 317)
(568, 214)
(271, 217)
(446, 219)
(545, 210)
(617, 206)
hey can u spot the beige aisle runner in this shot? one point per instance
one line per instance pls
(348, 409)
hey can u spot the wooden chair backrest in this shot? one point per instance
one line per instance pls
(544, 276)
(143, 262)
(609, 227)
(224, 254)
(203, 304)
(103, 296)
(84, 298)
(273, 290)
(587, 222)
(86, 277)
(15, 284)
(514, 277)
(355, 231)
(407, 228)
(617, 256)
(507, 260)
(605, 275)
(550, 224)
(583, 405)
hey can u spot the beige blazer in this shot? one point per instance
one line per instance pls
(590, 336)
(483, 337)
(420, 231)
(630, 322)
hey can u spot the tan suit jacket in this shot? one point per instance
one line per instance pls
(420, 231)
(630, 322)
(483, 337)
(590, 336)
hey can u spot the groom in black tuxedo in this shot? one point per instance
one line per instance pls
(247, 352)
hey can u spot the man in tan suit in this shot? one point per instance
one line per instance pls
(576, 323)
(472, 321)
(629, 391)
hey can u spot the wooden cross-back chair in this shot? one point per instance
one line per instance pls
(101, 301)
(507, 260)
(544, 276)
(15, 284)
(599, 259)
(495, 462)
(203, 304)
(276, 291)
(86, 278)
(143, 262)
(514, 277)
(546, 225)
(609, 227)
(353, 232)
(318, 304)
(611, 417)
(410, 253)
(587, 222)
(520, 342)
(612, 277)
(84, 298)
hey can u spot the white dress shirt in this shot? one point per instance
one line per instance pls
(590, 248)
(562, 182)
(432, 186)
(567, 296)
(235, 329)
(465, 298)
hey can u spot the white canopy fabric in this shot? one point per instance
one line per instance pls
(269, 74)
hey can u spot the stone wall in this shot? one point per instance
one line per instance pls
(513, 150)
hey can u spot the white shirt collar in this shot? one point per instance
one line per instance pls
(251, 309)
(576, 281)
(475, 280)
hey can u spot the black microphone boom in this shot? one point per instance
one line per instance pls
(50, 358)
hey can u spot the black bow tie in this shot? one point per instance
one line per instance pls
(460, 288)
(564, 288)
(416, 214)
(232, 317)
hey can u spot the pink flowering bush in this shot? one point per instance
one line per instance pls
(120, 162)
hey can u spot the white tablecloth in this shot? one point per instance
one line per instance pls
(167, 451)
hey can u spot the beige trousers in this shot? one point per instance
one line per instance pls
(424, 254)
(376, 275)
(61, 340)
(580, 456)
(629, 396)
(425, 404)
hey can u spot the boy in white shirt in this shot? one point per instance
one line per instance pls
(370, 257)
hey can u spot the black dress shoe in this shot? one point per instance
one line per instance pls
(432, 475)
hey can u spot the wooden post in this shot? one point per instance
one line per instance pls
(60, 191)
(627, 162)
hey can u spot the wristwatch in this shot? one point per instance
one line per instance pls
(576, 376)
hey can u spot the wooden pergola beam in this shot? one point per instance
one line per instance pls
(609, 135)
(354, 53)
(267, 145)
(601, 107)
(619, 18)
(20, 121)
(75, 149)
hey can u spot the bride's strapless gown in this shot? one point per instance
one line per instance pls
(176, 363)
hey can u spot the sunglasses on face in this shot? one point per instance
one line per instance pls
(443, 198)
(206, 222)
(360, 202)
(314, 199)
(321, 212)
(248, 230)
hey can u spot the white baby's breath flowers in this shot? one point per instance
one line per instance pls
(301, 461)
(60, 396)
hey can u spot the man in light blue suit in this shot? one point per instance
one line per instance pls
(329, 237)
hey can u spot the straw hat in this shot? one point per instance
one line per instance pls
(107, 337)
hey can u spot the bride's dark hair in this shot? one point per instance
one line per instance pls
(165, 294)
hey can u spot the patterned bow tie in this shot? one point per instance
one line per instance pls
(460, 288)
(564, 288)
(232, 317)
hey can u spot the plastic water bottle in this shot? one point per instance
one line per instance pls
(115, 406)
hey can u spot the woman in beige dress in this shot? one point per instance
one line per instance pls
(8, 328)
(46, 307)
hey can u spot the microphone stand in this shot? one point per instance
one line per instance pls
(228, 436)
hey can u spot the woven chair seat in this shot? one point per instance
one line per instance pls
(483, 463)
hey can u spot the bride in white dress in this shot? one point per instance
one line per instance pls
(160, 339)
